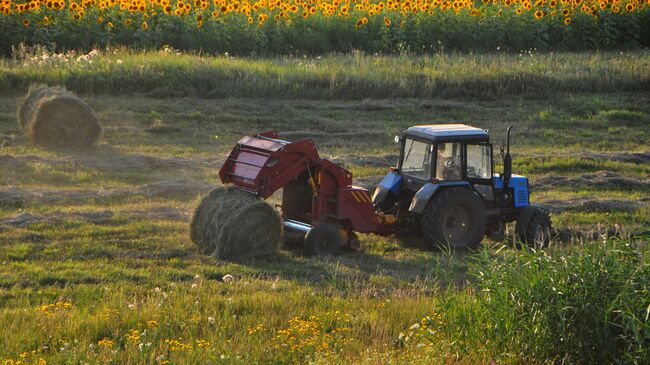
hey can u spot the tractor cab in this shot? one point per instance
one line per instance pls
(434, 156)
(445, 153)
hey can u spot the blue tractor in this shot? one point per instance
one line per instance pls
(445, 187)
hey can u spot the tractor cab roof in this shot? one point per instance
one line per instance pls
(448, 132)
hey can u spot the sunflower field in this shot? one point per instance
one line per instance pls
(265, 27)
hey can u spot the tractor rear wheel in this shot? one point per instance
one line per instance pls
(323, 239)
(455, 218)
(534, 227)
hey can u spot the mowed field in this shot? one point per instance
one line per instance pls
(97, 264)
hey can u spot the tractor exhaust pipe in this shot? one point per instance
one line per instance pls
(507, 161)
(296, 226)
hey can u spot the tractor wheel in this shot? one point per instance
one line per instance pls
(323, 239)
(455, 218)
(534, 227)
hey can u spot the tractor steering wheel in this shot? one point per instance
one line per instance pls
(452, 168)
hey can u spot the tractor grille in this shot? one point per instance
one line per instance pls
(522, 196)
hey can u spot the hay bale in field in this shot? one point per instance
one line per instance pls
(230, 224)
(54, 118)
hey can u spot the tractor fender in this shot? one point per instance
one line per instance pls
(380, 195)
(392, 182)
(422, 197)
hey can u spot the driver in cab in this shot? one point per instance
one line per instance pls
(448, 164)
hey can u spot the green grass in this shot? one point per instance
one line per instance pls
(494, 77)
(104, 245)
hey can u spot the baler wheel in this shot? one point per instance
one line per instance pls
(455, 218)
(323, 239)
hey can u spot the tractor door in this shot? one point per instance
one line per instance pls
(478, 167)
(415, 166)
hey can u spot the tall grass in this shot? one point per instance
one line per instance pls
(164, 74)
(590, 305)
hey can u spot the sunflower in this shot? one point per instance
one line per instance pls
(539, 14)
(25, 23)
(387, 21)
(567, 21)
(566, 12)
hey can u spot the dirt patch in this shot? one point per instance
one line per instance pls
(106, 158)
(370, 105)
(440, 105)
(175, 188)
(371, 161)
(160, 213)
(636, 157)
(98, 217)
(26, 219)
(590, 204)
(160, 127)
(303, 134)
(22, 220)
(600, 179)
(15, 198)
(18, 198)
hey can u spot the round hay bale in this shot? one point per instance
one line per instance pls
(230, 224)
(27, 105)
(54, 118)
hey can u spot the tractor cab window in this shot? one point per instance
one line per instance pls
(448, 165)
(417, 159)
(479, 162)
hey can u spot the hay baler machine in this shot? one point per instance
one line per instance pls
(318, 198)
(443, 187)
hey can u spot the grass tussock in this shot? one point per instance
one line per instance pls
(588, 304)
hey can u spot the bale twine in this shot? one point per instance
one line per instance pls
(230, 224)
(54, 118)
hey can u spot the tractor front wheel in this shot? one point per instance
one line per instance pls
(534, 227)
(323, 239)
(455, 218)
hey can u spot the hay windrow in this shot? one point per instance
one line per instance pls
(230, 224)
(54, 118)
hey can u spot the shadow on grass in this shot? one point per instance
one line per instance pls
(413, 267)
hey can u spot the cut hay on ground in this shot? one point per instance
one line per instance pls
(54, 118)
(230, 224)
